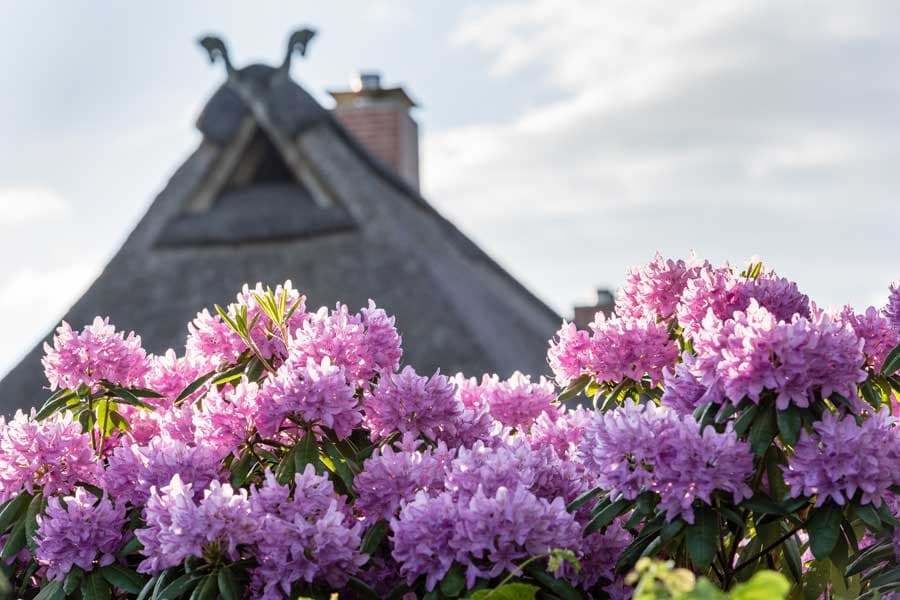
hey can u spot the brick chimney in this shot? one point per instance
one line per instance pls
(379, 117)
(605, 302)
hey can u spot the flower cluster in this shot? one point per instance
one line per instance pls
(78, 530)
(650, 448)
(95, 354)
(617, 348)
(499, 529)
(754, 351)
(288, 447)
(52, 455)
(408, 403)
(842, 458)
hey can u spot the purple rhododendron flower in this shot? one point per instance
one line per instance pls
(874, 328)
(178, 527)
(318, 393)
(97, 353)
(307, 537)
(408, 403)
(79, 530)
(755, 351)
(648, 447)
(682, 392)
(227, 417)
(841, 458)
(50, 455)
(892, 308)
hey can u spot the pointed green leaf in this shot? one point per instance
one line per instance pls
(51, 591)
(123, 578)
(373, 537)
(891, 362)
(228, 588)
(790, 422)
(95, 587)
(824, 527)
(14, 509)
(701, 538)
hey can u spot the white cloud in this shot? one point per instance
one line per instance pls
(29, 204)
(733, 128)
(37, 299)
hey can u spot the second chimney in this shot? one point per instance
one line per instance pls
(380, 118)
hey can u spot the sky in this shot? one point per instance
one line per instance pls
(570, 139)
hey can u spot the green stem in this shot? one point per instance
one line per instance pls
(767, 549)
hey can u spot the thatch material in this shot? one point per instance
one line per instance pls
(279, 190)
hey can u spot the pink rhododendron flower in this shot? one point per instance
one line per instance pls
(517, 401)
(95, 354)
(50, 455)
(653, 290)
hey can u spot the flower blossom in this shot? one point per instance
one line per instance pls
(648, 447)
(408, 403)
(755, 351)
(317, 392)
(842, 458)
(682, 391)
(79, 530)
(227, 417)
(892, 308)
(653, 290)
(178, 527)
(874, 328)
(308, 537)
(95, 354)
(50, 455)
(517, 401)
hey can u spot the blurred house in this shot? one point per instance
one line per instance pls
(282, 188)
(604, 301)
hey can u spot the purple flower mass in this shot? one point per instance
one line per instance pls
(79, 530)
(842, 458)
(647, 447)
(312, 437)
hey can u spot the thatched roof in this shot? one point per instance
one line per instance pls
(278, 190)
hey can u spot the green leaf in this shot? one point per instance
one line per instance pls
(761, 504)
(51, 591)
(671, 529)
(15, 542)
(193, 387)
(14, 509)
(131, 546)
(228, 588)
(340, 463)
(508, 591)
(72, 580)
(34, 508)
(240, 470)
(148, 589)
(764, 430)
(55, 403)
(95, 587)
(868, 515)
(232, 374)
(574, 388)
(824, 527)
(891, 362)
(701, 538)
(454, 582)
(126, 397)
(870, 557)
(373, 537)
(742, 423)
(792, 557)
(306, 453)
(123, 578)
(790, 422)
(764, 585)
(207, 589)
(607, 515)
(560, 587)
(179, 587)
(362, 589)
(583, 499)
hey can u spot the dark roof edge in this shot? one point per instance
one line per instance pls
(397, 182)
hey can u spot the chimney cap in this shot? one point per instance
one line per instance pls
(366, 89)
(365, 81)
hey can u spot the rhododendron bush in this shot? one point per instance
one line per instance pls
(719, 421)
